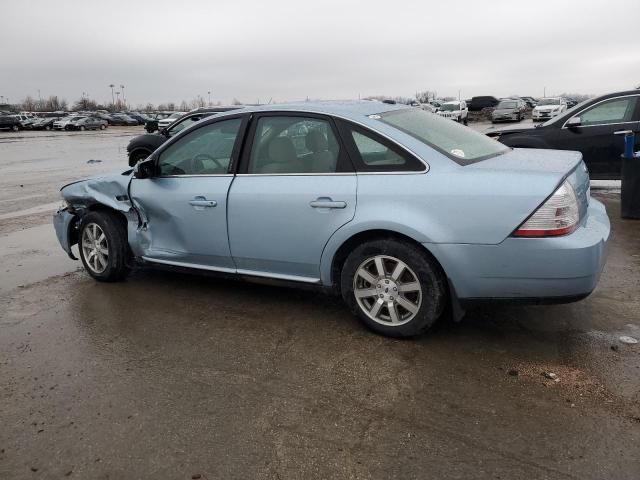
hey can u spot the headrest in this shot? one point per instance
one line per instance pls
(316, 141)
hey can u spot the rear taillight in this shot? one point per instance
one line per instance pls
(559, 215)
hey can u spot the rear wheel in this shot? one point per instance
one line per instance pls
(15, 128)
(103, 246)
(102, 127)
(394, 287)
(82, 129)
(47, 128)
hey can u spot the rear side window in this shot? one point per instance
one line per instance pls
(461, 144)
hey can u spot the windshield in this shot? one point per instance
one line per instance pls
(461, 144)
(507, 105)
(176, 115)
(549, 101)
(450, 107)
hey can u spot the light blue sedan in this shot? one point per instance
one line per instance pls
(403, 213)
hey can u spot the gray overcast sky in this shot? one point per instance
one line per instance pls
(288, 50)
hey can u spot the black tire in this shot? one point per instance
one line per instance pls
(420, 263)
(15, 128)
(466, 120)
(117, 261)
(82, 129)
(136, 156)
(48, 128)
(102, 126)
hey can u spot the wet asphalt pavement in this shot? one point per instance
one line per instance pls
(171, 376)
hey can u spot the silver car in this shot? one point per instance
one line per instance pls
(403, 213)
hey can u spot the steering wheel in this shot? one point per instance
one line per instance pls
(197, 164)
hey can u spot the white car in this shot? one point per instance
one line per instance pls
(165, 122)
(61, 123)
(548, 108)
(456, 110)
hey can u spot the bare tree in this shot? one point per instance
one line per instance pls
(184, 106)
(235, 101)
(85, 103)
(28, 104)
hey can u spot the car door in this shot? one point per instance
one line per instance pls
(184, 206)
(295, 188)
(593, 134)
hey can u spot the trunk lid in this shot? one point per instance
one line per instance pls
(539, 172)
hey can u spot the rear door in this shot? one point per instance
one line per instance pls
(596, 137)
(294, 189)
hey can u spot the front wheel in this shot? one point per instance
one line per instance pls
(82, 128)
(394, 287)
(103, 246)
(15, 128)
(102, 127)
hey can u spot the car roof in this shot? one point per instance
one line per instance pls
(355, 109)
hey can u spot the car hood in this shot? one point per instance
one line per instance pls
(546, 108)
(506, 110)
(108, 189)
(510, 129)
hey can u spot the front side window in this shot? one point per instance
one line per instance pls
(293, 145)
(616, 110)
(205, 151)
(461, 144)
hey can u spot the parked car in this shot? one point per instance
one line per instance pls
(590, 128)
(509, 109)
(455, 110)
(166, 121)
(548, 107)
(571, 102)
(10, 122)
(45, 123)
(152, 124)
(87, 123)
(530, 101)
(137, 117)
(468, 219)
(142, 146)
(121, 119)
(62, 123)
(478, 103)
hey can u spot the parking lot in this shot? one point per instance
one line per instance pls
(175, 376)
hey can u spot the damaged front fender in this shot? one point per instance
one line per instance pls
(110, 191)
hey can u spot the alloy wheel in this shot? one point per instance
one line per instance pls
(387, 290)
(95, 248)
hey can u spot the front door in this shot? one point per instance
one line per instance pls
(595, 135)
(185, 206)
(295, 188)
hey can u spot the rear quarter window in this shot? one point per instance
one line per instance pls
(461, 144)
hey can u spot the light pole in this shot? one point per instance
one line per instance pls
(209, 93)
(118, 95)
(123, 99)
(113, 100)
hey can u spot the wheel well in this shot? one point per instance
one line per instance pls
(99, 207)
(347, 247)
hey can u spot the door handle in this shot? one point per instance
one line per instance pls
(200, 202)
(326, 202)
(622, 132)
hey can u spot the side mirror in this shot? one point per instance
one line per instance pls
(574, 122)
(145, 169)
(164, 132)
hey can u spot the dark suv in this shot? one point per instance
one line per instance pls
(478, 103)
(10, 122)
(592, 127)
(142, 146)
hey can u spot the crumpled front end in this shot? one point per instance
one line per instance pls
(65, 224)
(107, 191)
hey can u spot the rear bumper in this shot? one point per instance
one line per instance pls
(63, 222)
(532, 270)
